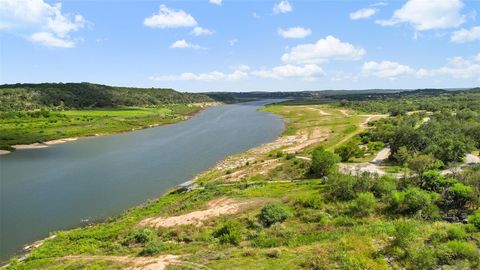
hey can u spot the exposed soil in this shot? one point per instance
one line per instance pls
(215, 208)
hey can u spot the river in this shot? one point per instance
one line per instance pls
(67, 185)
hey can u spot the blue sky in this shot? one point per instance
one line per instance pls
(233, 45)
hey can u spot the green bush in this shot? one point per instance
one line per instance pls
(459, 250)
(404, 234)
(152, 248)
(348, 151)
(364, 204)
(412, 200)
(456, 232)
(384, 186)
(229, 233)
(144, 235)
(475, 219)
(273, 213)
(313, 201)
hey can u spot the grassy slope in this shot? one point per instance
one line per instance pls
(322, 235)
(79, 123)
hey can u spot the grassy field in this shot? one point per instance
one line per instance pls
(318, 231)
(27, 128)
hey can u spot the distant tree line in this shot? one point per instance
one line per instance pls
(25, 97)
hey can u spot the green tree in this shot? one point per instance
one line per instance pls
(348, 151)
(323, 162)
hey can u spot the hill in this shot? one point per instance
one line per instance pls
(22, 97)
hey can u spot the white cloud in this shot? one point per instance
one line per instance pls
(50, 40)
(363, 13)
(465, 35)
(386, 69)
(456, 67)
(216, 2)
(307, 72)
(282, 7)
(294, 32)
(183, 44)
(238, 74)
(40, 22)
(199, 31)
(169, 18)
(324, 49)
(232, 42)
(379, 4)
(426, 14)
(255, 15)
(461, 68)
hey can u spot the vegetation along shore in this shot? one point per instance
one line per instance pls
(38, 115)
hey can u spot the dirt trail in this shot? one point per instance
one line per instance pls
(215, 208)
(370, 167)
(134, 263)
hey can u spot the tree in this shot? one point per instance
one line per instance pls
(323, 162)
(273, 213)
(349, 150)
(421, 163)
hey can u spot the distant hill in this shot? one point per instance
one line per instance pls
(326, 96)
(87, 95)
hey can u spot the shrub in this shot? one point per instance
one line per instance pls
(274, 253)
(475, 219)
(384, 186)
(414, 200)
(433, 181)
(144, 235)
(403, 235)
(152, 248)
(458, 196)
(313, 201)
(456, 232)
(346, 187)
(323, 162)
(462, 250)
(273, 213)
(229, 233)
(364, 204)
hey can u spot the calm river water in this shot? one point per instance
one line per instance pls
(54, 188)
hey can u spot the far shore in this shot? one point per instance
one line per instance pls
(45, 144)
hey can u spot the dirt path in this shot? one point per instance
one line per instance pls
(370, 167)
(472, 159)
(215, 208)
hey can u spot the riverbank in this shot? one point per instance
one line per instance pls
(34, 135)
(260, 161)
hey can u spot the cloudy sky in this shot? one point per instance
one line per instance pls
(234, 45)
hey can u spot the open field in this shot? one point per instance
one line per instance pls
(41, 126)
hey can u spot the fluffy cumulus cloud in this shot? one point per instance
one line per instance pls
(294, 32)
(239, 73)
(40, 22)
(466, 35)
(183, 44)
(461, 68)
(170, 18)
(426, 15)
(363, 13)
(324, 49)
(200, 31)
(386, 69)
(456, 67)
(306, 72)
(216, 2)
(282, 7)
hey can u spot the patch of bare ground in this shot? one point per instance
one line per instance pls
(259, 168)
(215, 208)
(134, 263)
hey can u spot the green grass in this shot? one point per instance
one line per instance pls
(79, 123)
